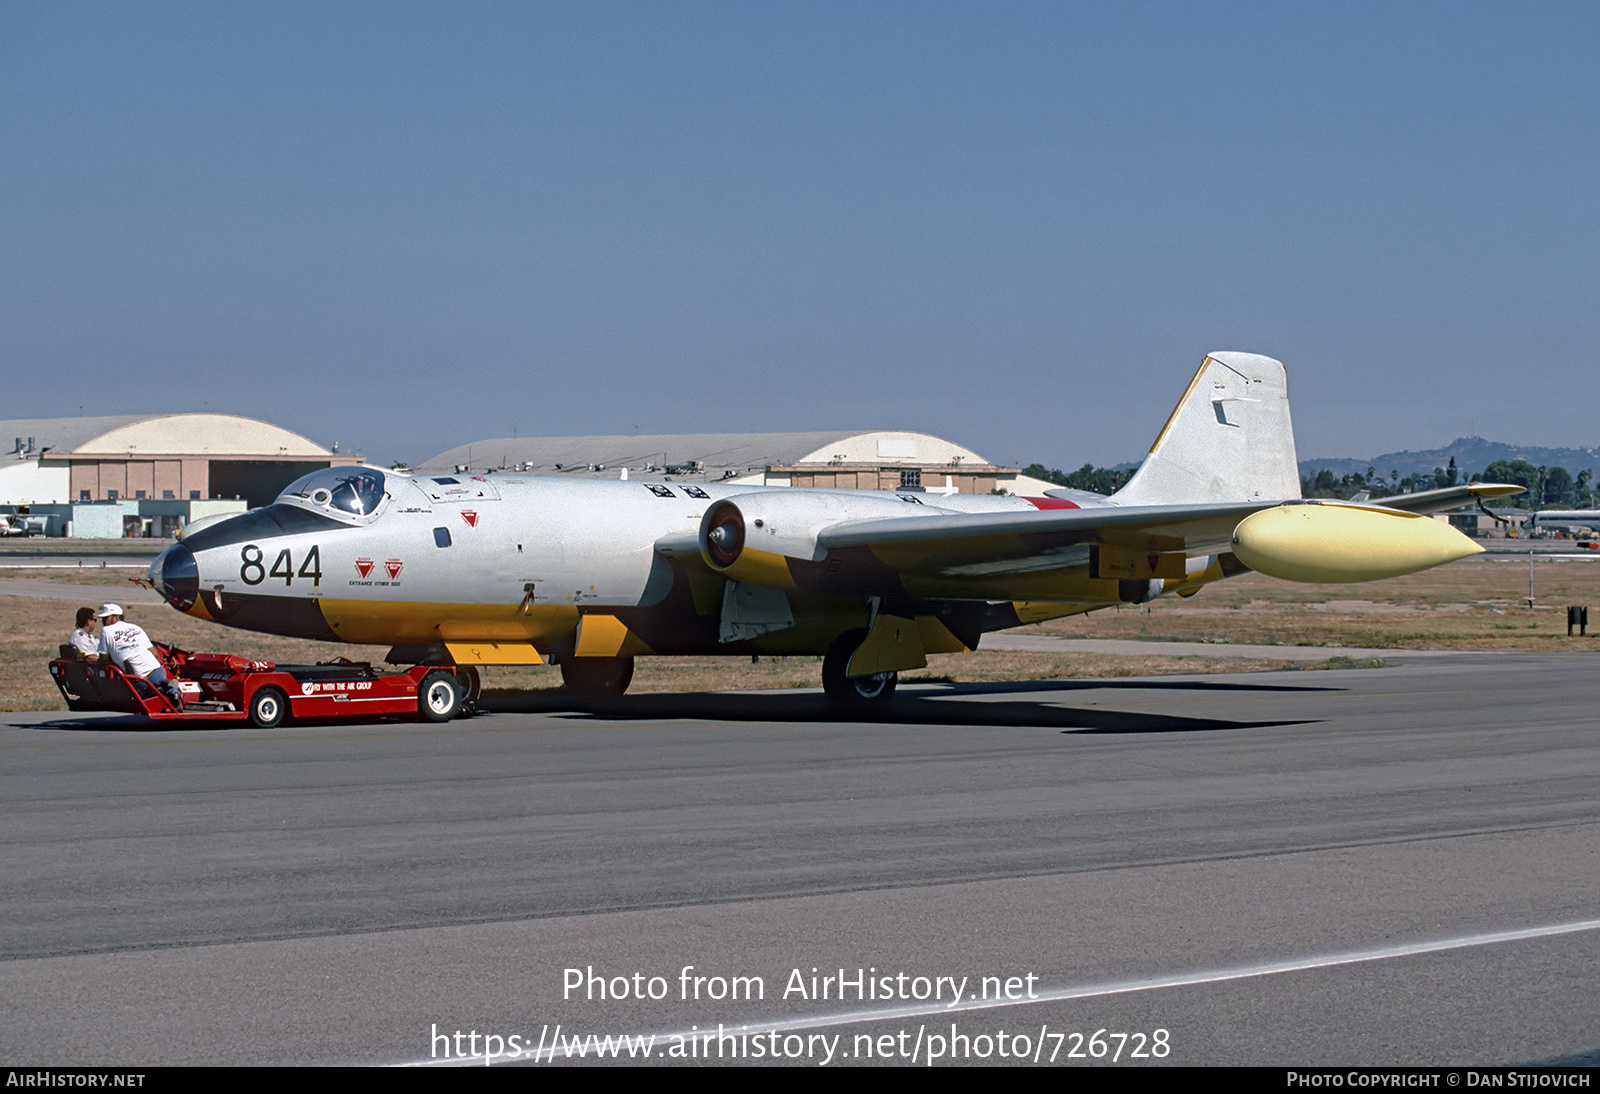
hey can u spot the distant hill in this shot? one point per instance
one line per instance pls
(1472, 454)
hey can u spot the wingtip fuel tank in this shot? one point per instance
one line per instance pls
(1332, 543)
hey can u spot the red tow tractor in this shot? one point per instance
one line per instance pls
(222, 687)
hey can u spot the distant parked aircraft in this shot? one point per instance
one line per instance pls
(1568, 519)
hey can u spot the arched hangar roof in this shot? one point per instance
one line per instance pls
(715, 453)
(158, 434)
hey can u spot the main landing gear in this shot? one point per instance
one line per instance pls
(597, 681)
(854, 693)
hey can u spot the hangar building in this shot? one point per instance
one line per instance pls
(874, 460)
(145, 474)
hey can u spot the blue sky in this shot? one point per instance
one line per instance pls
(405, 227)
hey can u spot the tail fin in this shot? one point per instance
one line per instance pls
(1228, 440)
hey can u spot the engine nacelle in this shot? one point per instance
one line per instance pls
(1322, 542)
(749, 537)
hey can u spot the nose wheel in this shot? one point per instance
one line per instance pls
(858, 694)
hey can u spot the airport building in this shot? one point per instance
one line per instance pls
(137, 475)
(148, 475)
(875, 460)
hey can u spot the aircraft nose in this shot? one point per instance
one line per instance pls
(177, 577)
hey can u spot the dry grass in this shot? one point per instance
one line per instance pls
(116, 578)
(1476, 604)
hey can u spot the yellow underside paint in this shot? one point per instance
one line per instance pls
(936, 637)
(1340, 543)
(1193, 583)
(894, 644)
(608, 636)
(396, 623)
(1030, 612)
(493, 653)
(759, 568)
(1129, 564)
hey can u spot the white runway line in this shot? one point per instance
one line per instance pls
(1115, 987)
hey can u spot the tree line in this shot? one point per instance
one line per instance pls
(1099, 480)
(1548, 487)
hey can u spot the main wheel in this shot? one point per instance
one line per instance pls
(268, 706)
(597, 680)
(438, 697)
(855, 693)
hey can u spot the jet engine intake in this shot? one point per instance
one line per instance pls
(723, 535)
(750, 537)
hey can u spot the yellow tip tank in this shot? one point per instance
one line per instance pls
(1337, 543)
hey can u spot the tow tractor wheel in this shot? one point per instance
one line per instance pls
(597, 681)
(470, 684)
(854, 693)
(438, 697)
(268, 707)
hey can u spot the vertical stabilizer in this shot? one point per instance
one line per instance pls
(1229, 440)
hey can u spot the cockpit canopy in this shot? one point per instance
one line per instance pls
(340, 491)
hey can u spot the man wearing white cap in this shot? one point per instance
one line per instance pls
(131, 650)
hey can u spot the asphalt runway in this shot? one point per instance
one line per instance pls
(1385, 866)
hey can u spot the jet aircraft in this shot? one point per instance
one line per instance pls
(1567, 520)
(589, 574)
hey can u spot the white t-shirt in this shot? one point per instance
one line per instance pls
(129, 647)
(84, 642)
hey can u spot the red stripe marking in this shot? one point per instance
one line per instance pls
(1052, 503)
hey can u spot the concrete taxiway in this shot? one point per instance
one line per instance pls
(1381, 866)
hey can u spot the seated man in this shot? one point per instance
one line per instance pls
(131, 651)
(82, 638)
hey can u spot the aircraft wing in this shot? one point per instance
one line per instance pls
(939, 542)
(934, 543)
(1219, 487)
(993, 545)
(1198, 523)
(1158, 527)
(1130, 542)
